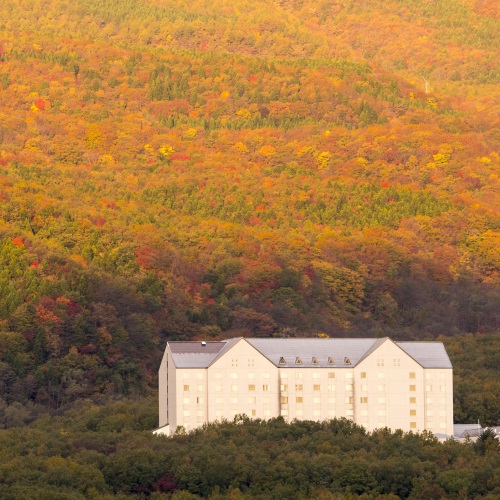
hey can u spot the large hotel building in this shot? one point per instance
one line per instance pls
(373, 382)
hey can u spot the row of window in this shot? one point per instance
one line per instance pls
(316, 387)
(314, 361)
(234, 375)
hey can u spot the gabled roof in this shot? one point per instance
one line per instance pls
(311, 352)
(194, 354)
(341, 350)
(427, 354)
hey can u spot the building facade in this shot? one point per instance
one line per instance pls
(373, 382)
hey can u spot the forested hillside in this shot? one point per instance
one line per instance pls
(199, 170)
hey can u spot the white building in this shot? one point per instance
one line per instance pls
(374, 382)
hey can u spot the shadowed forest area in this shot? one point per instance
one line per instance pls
(206, 170)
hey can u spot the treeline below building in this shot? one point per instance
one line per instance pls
(109, 452)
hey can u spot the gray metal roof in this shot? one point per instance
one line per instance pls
(339, 350)
(427, 354)
(312, 352)
(194, 354)
(463, 430)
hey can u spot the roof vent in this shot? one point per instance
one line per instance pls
(282, 361)
(298, 361)
(330, 361)
(203, 343)
(347, 361)
(314, 361)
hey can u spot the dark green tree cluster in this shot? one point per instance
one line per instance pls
(108, 452)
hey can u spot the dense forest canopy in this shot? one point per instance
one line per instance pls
(204, 170)
(109, 452)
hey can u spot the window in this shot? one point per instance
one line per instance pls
(251, 387)
(267, 413)
(234, 362)
(251, 375)
(349, 400)
(199, 413)
(363, 374)
(316, 375)
(429, 413)
(186, 401)
(331, 387)
(299, 375)
(185, 375)
(284, 374)
(186, 388)
(219, 401)
(348, 374)
(299, 387)
(381, 401)
(266, 375)
(199, 401)
(331, 413)
(413, 413)
(442, 425)
(199, 388)
(251, 362)
(442, 413)
(199, 375)
(413, 425)
(413, 388)
(331, 401)
(381, 413)
(234, 401)
(363, 399)
(413, 401)
(299, 399)
(266, 400)
(442, 388)
(428, 388)
(218, 375)
(282, 361)
(316, 413)
(265, 387)
(284, 413)
(349, 413)
(218, 413)
(364, 413)
(284, 400)
(252, 400)
(234, 388)
(234, 375)
(331, 374)
(316, 387)
(364, 387)
(314, 361)
(254, 412)
(316, 400)
(381, 388)
(396, 362)
(298, 361)
(380, 375)
(284, 387)
(330, 361)
(412, 375)
(187, 413)
(299, 413)
(348, 387)
(380, 362)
